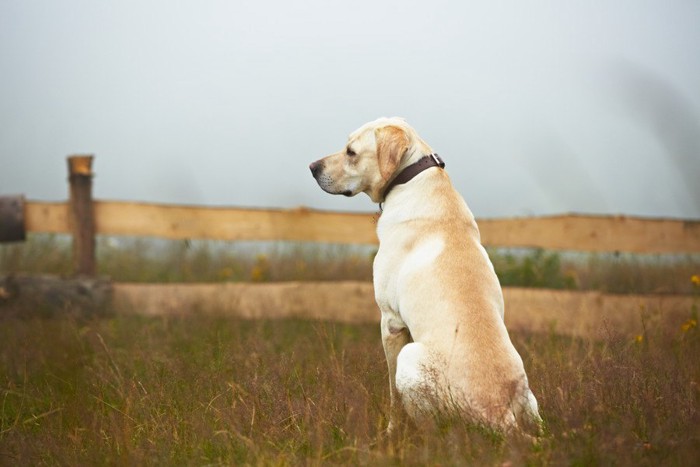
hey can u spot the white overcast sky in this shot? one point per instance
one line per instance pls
(537, 107)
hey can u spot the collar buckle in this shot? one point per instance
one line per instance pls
(440, 163)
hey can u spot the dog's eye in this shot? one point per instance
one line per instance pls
(350, 152)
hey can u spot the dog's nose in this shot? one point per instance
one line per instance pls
(316, 168)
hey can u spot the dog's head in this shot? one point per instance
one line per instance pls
(373, 155)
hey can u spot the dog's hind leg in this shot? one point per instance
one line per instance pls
(417, 381)
(394, 337)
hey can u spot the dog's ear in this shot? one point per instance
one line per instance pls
(392, 144)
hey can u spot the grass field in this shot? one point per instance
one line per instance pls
(207, 390)
(203, 390)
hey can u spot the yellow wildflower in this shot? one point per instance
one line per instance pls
(638, 338)
(261, 269)
(257, 274)
(688, 325)
(226, 273)
(695, 279)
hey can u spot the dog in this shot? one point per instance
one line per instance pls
(444, 337)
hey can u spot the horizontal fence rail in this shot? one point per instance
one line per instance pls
(564, 232)
(581, 314)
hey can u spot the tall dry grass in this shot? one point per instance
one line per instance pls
(153, 260)
(209, 390)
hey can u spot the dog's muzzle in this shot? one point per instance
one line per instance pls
(324, 181)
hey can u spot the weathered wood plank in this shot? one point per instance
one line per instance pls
(24, 294)
(582, 314)
(594, 233)
(46, 217)
(344, 301)
(594, 314)
(178, 222)
(567, 232)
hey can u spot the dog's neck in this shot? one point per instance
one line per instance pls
(412, 170)
(429, 197)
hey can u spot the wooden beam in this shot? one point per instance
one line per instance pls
(46, 217)
(581, 314)
(180, 222)
(593, 313)
(22, 294)
(567, 232)
(594, 233)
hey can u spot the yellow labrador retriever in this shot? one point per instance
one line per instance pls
(442, 326)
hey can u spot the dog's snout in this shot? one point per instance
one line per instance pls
(316, 168)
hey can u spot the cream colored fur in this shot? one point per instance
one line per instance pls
(442, 325)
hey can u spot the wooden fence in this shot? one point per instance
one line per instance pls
(84, 218)
(565, 232)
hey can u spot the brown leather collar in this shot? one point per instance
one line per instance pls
(407, 174)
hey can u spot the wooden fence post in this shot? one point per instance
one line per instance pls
(12, 219)
(82, 215)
